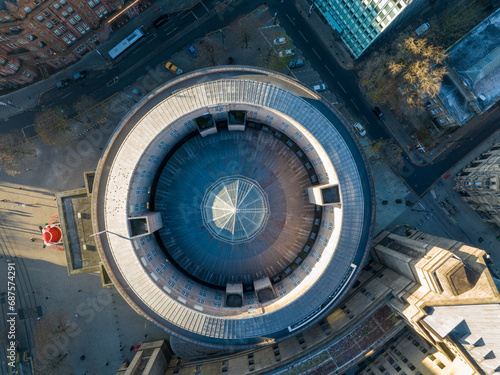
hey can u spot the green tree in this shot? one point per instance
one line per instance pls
(13, 151)
(50, 123)
(399, 75)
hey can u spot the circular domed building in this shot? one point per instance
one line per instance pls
(235, 205)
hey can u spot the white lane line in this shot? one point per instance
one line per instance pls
(303, 36)
(293, 23)
(137, 50)
(329, 71)
(172, 31)
(365, 119)
(317, 54)
(194, 15)
(100, 75)
(204, 6)
(341, 86)
(66, 95)
(187, 14)
(355, 104)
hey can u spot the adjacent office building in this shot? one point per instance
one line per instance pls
(360, 22)
(478, 184)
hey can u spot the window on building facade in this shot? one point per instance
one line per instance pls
(80, 49)
(95, 23)
(22, 41)
(57, 32)
(63, 29)
(12, 66)
(36, 2)
(55, 22)
(64, 13)
(47, 14)
(72, 37)
(77, 17)
(56, 6)
(62, 2)
(40, 18)
(12, 45)
(81, 30)
(33, 48)
(86, 27)
(66, 40)
(103, 10)
(27, 9)
(72, 21)
(91, 3)
(49, 25)
(99, 13)
(61, 48)
(69, 9)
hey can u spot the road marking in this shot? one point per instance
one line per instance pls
(329, 71)
(66, 95)
(137, 50)
(303, 36)
(354, 103)
(99, 76)
(204, 6)
(316, 53)
(293, 23)
(187, 14)
(340, 86)
(172, 31)
(365, 119)
(112, 82)
(153, 38)
(194, 15)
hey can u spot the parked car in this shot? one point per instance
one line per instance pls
(193, 51)
(287, 52)
(296, 63)
(422, 28)
(279, 41)
(161, 20)
(63, 83)
(320, 87)
(137, 92)
(379, 113)
(80, 75)
(173, 68)
(360, 129)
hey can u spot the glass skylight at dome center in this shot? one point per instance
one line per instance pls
(235, 209)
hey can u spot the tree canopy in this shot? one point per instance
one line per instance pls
(49, 123)
(13, 150)
(401, 74)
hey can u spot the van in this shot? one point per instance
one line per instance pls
(320, 87)
(296, 63)
(379, 113)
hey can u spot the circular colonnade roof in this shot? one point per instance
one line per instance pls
(224, 172)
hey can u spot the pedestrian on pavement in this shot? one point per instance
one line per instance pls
(32, 240)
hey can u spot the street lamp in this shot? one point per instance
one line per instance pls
(98, 233)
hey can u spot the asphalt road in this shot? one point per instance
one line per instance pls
(160, 44)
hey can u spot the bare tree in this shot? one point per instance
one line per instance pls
(245, 36)
(13, 150)
(389, 151)
(399, 75)
(51, 340)
(91, 109)
(49, 123)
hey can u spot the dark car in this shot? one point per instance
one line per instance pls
(64, 83)
(296, 63)
(161, 20)
(379, 113)
(80, 75)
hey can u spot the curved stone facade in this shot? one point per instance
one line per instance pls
(311, 152)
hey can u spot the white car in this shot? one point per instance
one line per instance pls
(320, 87)
(279, 41)
(360, 129)
(287, 52)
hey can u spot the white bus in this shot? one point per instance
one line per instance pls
(126, 43)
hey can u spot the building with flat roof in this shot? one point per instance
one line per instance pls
(454, 302)
(478, 184)
(360, 22)
(234, 209)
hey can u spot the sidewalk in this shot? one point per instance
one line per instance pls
(27, 98)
